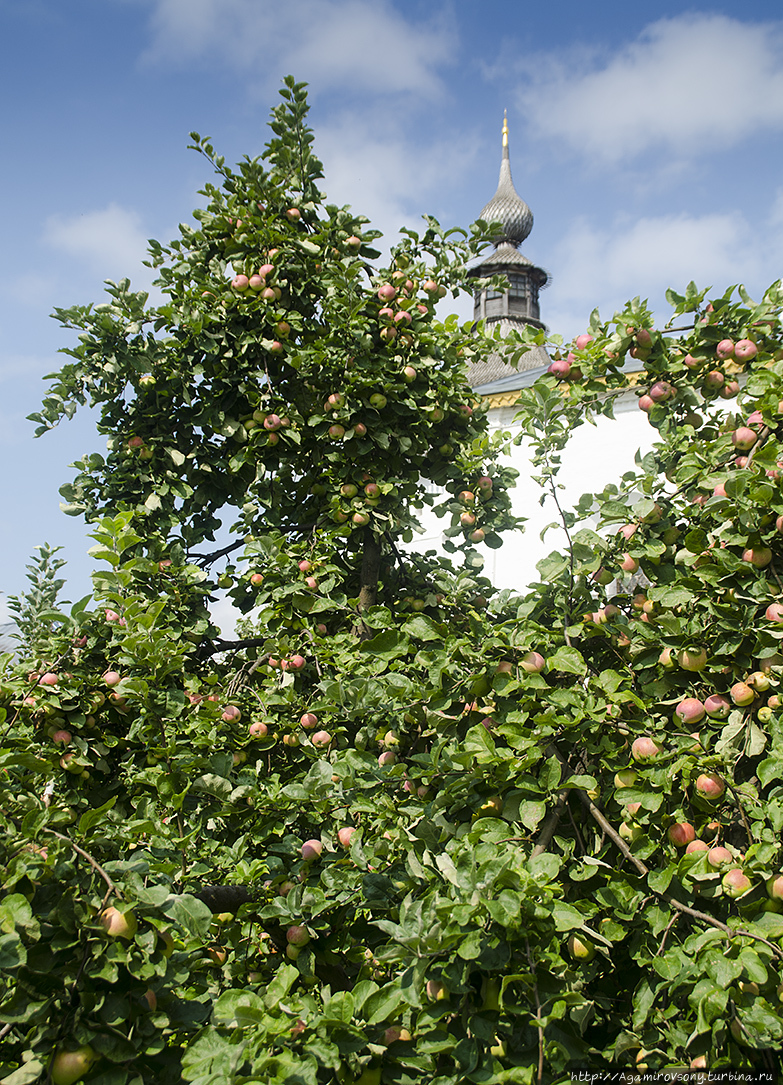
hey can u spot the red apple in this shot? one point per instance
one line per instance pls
(645, 748)
(710, 786)
(345, 834)
(629, 564)
(725, 349)
(112, 678)
(560, 368)
(231, 713)
(309, 720)
(646, 404)
(293, 214)
(690, 710)
(696, 846)
(533, 663)
(321, 739)
(742, 694)
(682, 833)
(744, 438)
(735, 882)
(717, 706)
(718, 857)
(240, 282)
(662, 391)
(297, 935)
(48, 679)
(311, 849)
(118, 924)
(692, 659)
(745, 349)
(760, 556)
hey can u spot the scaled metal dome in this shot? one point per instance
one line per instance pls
(507, 206)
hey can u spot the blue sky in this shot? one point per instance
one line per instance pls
(646, 140)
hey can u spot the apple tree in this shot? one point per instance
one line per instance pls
(400, 828)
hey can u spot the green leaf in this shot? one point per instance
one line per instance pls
(94, 817)
(190, 913)
(239, 1009)
(566, 917)
(27, 1074)
(388, 644)
(12, 952)
(422, 628)
(568, 660)
(285, 977)
(383, 1004)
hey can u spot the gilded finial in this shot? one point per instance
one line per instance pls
(505, 128)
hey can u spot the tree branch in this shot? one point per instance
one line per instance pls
(113, 890)
(550, 825)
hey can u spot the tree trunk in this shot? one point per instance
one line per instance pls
(371, 564)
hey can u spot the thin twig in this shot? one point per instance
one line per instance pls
(532, 964)
(669, 926)
(86, 855)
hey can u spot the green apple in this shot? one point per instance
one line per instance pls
(580, 950)
(71, 1066)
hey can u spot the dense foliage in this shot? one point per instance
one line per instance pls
(403, 828)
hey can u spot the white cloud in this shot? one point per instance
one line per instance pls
(692, 83)
(111, 242)
(387, 177)
(606, 266)
(358, 44)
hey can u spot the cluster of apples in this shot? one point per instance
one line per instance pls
(567, 369)
(270, 422)
(358, 501)
(469, 518)
(138, 446)
(258, 281)
(336, 403)
(716, 381)
(398, 291)
(320, 739)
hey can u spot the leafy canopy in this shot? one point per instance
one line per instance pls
(403, 828)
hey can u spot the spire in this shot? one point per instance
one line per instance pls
(507, 206)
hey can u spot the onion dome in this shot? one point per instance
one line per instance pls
(507, 206)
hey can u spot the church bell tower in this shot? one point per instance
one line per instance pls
(519, 304)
